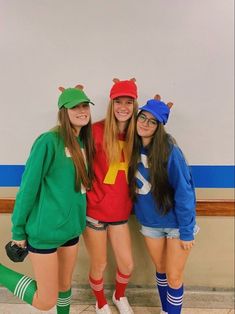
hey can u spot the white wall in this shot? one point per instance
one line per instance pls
(182, 49)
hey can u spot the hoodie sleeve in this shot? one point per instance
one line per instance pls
(181, 180)
(36, 167)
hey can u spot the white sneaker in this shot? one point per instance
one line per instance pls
(163, 312)
(122, 305)
(104, 310)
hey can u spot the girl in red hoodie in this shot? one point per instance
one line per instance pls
(108, 202)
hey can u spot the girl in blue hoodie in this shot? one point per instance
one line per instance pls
(162, 189)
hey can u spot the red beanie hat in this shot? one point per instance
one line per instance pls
(123, 88)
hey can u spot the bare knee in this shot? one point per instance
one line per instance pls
(130, 267)
(174, 281)
(45, 304)
(161, 267)
(65, 281)
(127, 268)
(97, 269)
(64, 286)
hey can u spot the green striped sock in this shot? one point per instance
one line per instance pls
(20, 285)
(63, 302)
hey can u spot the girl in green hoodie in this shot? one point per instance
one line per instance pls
(50, 207)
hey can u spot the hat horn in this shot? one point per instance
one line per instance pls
(115, 80)
(79, 86)
(170, 104)
(61, 89)
(157, 97)
(133, 79)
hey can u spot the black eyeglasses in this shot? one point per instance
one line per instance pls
(150, 122)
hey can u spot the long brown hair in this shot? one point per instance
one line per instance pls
(159, 150)
(83, 168)
(111, 145)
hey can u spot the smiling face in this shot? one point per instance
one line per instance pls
(79, 116)
(146, 126)
(123, 109)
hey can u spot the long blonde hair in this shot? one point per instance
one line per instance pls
(111, 131)
(83, 172)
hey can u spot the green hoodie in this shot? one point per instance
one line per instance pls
(48, 211)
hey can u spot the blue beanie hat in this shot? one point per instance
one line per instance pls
(158, 109)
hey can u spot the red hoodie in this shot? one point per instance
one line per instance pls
(108, 200)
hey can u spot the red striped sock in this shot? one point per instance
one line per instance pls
(97, 287)
(121, 284)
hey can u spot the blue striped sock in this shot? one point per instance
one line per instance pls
(162, 289)
(174, 300)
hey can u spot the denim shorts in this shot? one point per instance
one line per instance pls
(169, 233)
(102, 225)
(48, 251)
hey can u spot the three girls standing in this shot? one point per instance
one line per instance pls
(160, 185)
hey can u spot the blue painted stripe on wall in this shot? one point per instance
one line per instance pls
(10, 175)
(213, 176)
(204, 176)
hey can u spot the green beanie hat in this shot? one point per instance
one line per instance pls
(71, 97)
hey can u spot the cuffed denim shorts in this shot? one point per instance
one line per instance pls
(102, 225)
(169, 233)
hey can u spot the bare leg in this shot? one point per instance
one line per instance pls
(67, 257)
(96, 244)
(175, 263)
(45, 267)
(157, 251)
(121, 244)
(120, 239)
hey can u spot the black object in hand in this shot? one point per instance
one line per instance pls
(16, 253)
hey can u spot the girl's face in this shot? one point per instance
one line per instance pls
(146, 126)
(123, 108)
(79, 116)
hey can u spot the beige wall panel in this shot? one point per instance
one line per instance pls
(8, 192)
(211, 263)
(215, 194)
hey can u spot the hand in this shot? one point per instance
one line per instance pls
(187, 245)
(21, 243)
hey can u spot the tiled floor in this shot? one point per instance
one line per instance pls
(89, 309)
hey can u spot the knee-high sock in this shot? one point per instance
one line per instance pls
(97, 287)
(162, 289)
(63, 302)
(174, 300)
(121, 284)
(20, 285)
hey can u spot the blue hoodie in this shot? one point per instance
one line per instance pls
(183, 214)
